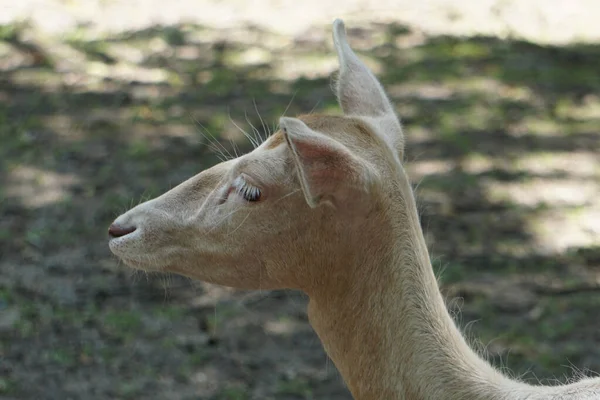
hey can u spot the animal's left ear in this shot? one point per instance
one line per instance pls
(328, 171)
(360, 94)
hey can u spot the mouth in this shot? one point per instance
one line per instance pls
(126, 247)
(132, 262)
(117, 244)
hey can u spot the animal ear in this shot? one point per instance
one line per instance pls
(327, 170)
(359, 92)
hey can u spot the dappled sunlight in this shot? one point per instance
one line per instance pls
(555, 231)
(544, 192)
(316, 66)
(536, 125)
(282, 327)
(478, 164)
(428, 91)
(492, 89)
(128, 73)
(134, 55)
(212, 295)
(421, 169)
(502, 148)
(249, 57)
(205, 381)
(46, 79)
(36, 188)
(577, 164)
(586, 109)
(562, 191)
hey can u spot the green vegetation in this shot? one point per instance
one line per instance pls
(233, 393)
(299, 387)
(497, 131)
(123, 323)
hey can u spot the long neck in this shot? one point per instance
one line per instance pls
(387, 329)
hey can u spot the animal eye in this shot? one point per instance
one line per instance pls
(244, 189)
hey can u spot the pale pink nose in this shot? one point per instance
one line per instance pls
(116, 231)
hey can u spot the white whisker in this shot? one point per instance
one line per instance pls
(290, 103)
(257, 137)
(246, 134)
(214, 143)
(261, 121)
(315, 107)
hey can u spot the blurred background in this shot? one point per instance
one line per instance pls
(107, 103)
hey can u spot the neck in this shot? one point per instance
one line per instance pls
(388, 331)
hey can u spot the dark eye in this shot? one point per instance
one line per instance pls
(244, 189)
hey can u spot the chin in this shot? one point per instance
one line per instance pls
(145, 263)
(138, 264)
(134, 253)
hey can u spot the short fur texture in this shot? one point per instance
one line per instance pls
(337, 219)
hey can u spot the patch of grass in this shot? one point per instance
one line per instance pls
(168, 343)
(94, 50)
(183, 373)
(148, 113)
(8, 386)
(223, 312)
(109, 353)
(170, 312)
(26, 328)
(129, 390)
(233, 393)
(86, 353)
(61, 356)
(138, 149)
(298, 387)
(10, 32)
(38, 236)
(75, 316)
(174, 36)
(454, 182)
(65, 315)
(222, 82)
(29, 310)
(6, 295)
(199, 357)
(123, 324)
(450, 272)
(550, 359)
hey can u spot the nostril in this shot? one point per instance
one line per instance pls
(116, 231)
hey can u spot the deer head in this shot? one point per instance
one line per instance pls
(312, 197)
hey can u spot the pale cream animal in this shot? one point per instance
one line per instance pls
(325, 206)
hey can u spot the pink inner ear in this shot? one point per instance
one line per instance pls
(325, 167)
(310, 149)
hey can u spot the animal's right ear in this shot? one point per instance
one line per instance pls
(327, 170)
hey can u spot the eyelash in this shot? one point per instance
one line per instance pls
(248, 192)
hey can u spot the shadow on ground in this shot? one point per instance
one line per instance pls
(503, 142)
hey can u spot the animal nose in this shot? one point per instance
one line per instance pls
(115, 230)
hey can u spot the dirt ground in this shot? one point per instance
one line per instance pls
(503, 148)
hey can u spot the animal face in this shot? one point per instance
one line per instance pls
(287, 214)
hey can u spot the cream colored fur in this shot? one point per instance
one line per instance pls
(336, 219)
